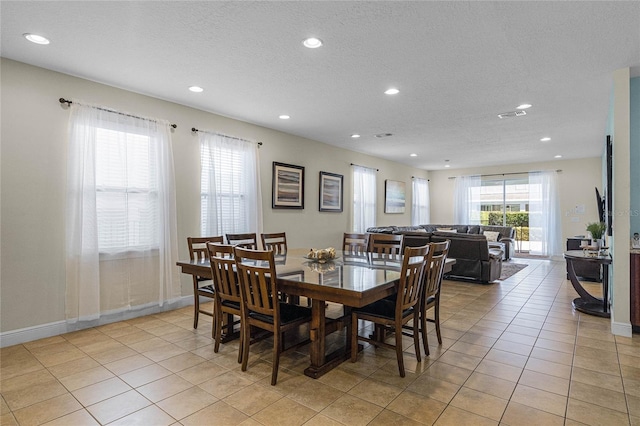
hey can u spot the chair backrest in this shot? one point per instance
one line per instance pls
(411, 277)
(198, 247)
(257, 276)
(249, 240)
(385, 243)
(435, 268)
(355, 244)
(225, 279)
(276, 242)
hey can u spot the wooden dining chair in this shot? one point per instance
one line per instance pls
(227, 292)
(354, 244)
(388, 244)
(198, 251)
(249, 240)
(430, 297)
(277, 242)
(261, 305)
(395, 313)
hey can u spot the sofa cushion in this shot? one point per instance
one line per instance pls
(454, 231)
(381, 229)
(491, 235)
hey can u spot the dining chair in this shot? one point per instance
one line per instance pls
(276, 242)
(261, 305)
(198, 251)
(249, 240)
(388, 244)
(430, 297)
(227, 292)
(354, 244)
(395, 313)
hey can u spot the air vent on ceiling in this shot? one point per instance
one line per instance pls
(512, 114)
(383, 135)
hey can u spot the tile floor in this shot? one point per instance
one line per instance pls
(514, 353)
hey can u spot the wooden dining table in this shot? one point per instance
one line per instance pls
(350, 280)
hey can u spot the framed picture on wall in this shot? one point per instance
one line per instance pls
(288, 186)
(394, 196)
(330, 192)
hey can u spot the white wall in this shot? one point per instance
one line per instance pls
(33, 179)
(576, 185)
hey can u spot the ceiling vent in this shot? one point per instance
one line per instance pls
(383, 135)
(512, 114)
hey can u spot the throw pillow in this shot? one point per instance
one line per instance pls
(453, 231)
(491, 235)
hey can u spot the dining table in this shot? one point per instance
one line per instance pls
(353, 281)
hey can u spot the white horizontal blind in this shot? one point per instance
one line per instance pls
(126, 191)
(229, 186)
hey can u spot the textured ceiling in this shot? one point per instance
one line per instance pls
(457, 65)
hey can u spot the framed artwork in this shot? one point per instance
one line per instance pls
(394, 196)
(330, 192)
(288, 186)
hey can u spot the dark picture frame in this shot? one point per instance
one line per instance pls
(288, 186)
(331, 192)
(394, 196)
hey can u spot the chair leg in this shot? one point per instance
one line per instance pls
(276, 356)
(354, 337)
(399, 349)
(423, 330)
(246, 331)
(416, 338)
(196, 303)
(217, 325)
(437, 321)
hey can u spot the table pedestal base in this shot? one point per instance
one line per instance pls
(593, 307)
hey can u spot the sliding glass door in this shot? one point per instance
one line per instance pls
(505, 202)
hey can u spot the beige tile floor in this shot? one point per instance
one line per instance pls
(514, 353)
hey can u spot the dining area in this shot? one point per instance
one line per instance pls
(323, 301)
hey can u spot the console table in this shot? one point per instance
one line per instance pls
(586, 302)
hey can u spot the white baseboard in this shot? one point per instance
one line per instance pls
(621, 329)
(28, 334)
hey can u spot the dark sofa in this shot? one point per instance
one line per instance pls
(475, 260)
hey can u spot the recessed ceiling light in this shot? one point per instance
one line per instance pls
(391, 91)
(524, 106)
(558, 156)
(284, 117)
(447, 165)
(355, 136)
(413, 155)
(312, 43)
(545, 139)
(196, 89)
(35, 38)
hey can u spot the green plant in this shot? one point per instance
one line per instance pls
(596, 229)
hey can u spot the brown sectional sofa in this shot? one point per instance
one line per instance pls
(475, 258)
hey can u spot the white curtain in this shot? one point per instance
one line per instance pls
(466, 208)
(364, 198)
(121, 232)
(420, 207)
(545, 233)
(231, 200)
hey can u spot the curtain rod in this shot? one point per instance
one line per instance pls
(370, 168)
(68, 102)
(505, 174)
(415, 177)
(193, 129)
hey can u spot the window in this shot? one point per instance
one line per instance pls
(420, 205)
(126, 191)
(364, 198)
(229, 186)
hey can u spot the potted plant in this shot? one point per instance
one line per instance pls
(596, 229)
